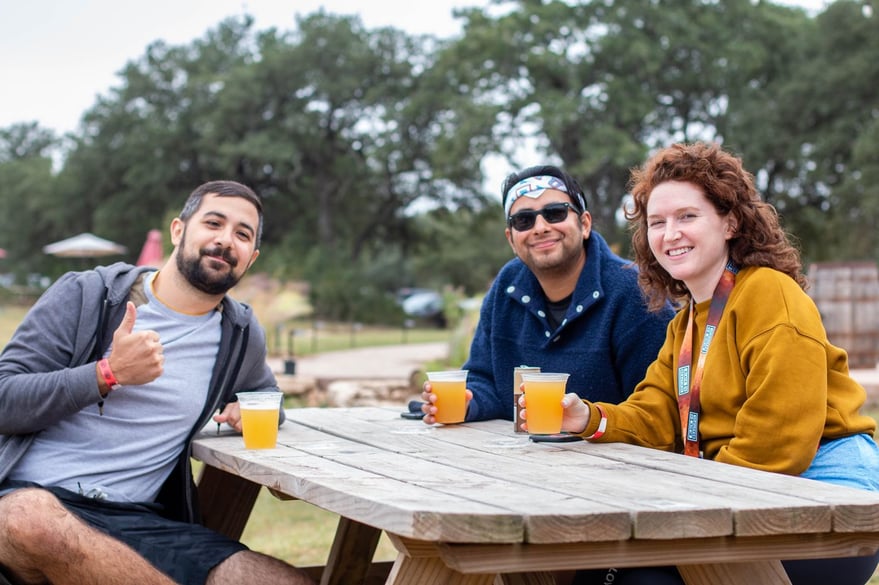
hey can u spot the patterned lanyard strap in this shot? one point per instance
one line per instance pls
(689, 386)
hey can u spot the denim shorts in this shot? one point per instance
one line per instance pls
(183, 551)
(851, 461)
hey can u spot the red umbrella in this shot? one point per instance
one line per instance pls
(152, 254)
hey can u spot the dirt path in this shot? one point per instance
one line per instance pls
(393, 361)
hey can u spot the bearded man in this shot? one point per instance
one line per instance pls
(104, 385)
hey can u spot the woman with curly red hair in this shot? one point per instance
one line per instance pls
(747, 375)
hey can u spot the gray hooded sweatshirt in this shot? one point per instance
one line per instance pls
(47, 370)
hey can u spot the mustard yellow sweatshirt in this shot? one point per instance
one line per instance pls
(773, 386)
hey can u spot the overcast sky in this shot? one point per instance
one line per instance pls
(57, 56)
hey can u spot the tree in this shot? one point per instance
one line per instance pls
(26, 186)
(142, 149)
(837, 134)
(367, 145)
(596, 85)
(25, 141)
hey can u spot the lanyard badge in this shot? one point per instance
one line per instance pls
(689, 385)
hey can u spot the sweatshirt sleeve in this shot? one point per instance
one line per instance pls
(39, 384)
(780, 423)
(256, 374)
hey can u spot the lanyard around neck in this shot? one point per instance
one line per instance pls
(690, 385)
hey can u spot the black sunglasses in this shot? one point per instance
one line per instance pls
(552, 213)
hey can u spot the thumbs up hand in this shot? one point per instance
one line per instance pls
(136, 356)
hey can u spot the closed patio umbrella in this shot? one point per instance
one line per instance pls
(151, 254)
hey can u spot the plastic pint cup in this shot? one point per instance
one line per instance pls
(543, 401)
(451, 397)
(259, 418)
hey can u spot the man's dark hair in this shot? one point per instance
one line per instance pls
(223, 189)
(575, 192)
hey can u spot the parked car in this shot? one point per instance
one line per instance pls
(422, 303)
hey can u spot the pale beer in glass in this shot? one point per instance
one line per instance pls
(543, 401)
(451, 398)
(259, 418)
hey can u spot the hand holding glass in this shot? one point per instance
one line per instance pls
(450, 388)
(543, 401)
(259, 418)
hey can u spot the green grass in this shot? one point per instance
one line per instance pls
(10, 317)
(297, 532)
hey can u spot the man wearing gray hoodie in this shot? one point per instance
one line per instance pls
(103, 386)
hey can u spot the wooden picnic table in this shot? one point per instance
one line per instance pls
(479, 504)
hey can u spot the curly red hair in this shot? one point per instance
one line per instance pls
(759, 239)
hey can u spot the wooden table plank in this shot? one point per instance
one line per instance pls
(419, 563)
(713, 512)
(467, 503)
(468, 558)
(854, 510)
(385, 503)
(542, 578)
(735, 573)
(565, 512)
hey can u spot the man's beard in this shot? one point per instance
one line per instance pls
(195, 273)
(568, 260)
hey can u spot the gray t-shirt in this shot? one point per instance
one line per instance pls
(127, 453)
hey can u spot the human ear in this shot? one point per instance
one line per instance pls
(177, 228)
(731, 226)
(586, 222)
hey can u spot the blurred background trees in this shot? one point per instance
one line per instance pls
(372, 148)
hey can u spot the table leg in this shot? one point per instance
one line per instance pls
(431, 571)
(351, 554)
(752, 573)
(418, 563)
(225, 500)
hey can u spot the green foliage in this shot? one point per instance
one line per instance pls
(840, 130)
(462, 247)
(342, 291)
(369, 145)
(25, 141)
(26, 184)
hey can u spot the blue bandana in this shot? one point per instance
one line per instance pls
(532, 187)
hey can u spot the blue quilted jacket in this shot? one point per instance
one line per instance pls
(606, 342)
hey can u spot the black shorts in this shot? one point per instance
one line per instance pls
(183, 551)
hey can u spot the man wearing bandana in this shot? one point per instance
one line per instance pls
(566, 303)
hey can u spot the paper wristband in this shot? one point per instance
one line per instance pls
(107, 374)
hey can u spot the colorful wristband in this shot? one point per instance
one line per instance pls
(602, 426)
(107, 374)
